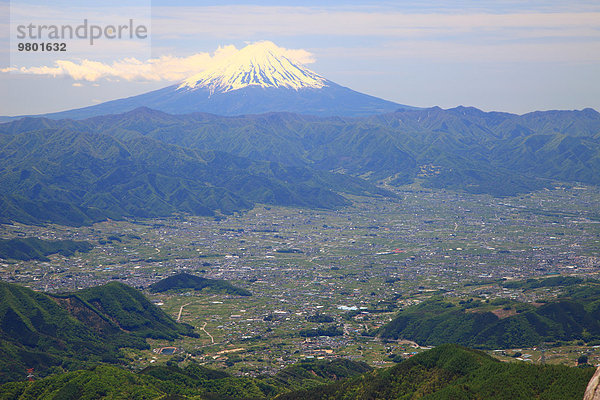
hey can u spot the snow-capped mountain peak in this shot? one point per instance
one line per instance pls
(260, 78)
(262, 64)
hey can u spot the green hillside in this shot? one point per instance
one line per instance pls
(132, 312)
(185, 281)
(36, 332)
(71, 331)
(100, 382)
(502, 323)
(446, 372)
(37, 249)
(193, 381)
(454, 372)
(74, 178)
(461, 148)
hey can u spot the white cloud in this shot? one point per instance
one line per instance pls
(164, 68)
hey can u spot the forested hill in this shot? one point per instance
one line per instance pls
(503, 323)
(74, 330)
(185, 281)
(454, 372)
(37, 249)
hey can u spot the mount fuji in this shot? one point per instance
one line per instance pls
(259, 78)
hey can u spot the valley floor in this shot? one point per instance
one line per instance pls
(359, 265)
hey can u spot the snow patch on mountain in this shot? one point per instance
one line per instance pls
(262, 64)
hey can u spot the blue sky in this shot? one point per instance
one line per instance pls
(510, 56)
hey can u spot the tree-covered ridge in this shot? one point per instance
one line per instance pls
(99, 382)
(36, 332)
(454, 372)
(503, 323)
(462, 148)
(70, 331)
(310, 373)
(185, 281)
(38, 249)
(74, 178)
(193, 381)
(132, 311)
(448, 371)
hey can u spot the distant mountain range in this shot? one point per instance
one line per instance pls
(147, 163)
(73, 176)
(260, 78)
